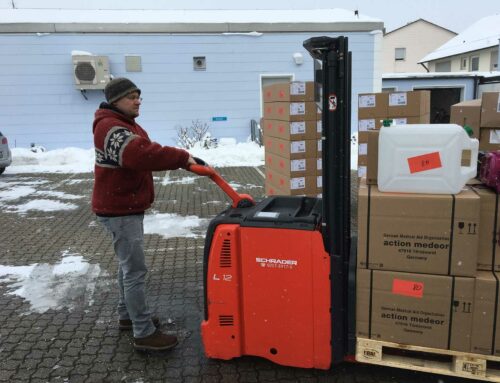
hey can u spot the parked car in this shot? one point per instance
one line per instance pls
(5, 154)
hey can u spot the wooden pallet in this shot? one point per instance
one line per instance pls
(433, 360)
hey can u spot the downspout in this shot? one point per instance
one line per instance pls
(476, 87)
(427, 69)
(498, 59)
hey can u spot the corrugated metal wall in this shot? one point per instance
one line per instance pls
(42, 105)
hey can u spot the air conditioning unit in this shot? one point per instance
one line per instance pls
(90, 72)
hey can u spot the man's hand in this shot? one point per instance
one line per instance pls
(190, 161)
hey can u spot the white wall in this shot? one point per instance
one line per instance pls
(484, 61)
(419, 38)
(41, 104)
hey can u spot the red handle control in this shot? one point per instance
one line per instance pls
(239, 200)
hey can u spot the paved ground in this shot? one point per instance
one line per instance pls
(79, 341)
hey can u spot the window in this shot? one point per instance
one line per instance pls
(474, 63)
(463, 63)
(494, 61)
(400, 54)
(443, 66)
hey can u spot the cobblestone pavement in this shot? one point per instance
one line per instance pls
(79, 341)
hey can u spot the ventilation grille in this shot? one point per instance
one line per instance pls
(226, 320)
(85, 71)
(225, 254)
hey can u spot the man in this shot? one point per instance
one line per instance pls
(123, 190)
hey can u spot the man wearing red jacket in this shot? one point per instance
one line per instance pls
(123, 190)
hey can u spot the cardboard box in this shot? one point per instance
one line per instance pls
(367, 125)
(417, 309)
(372, 160)
(408, 104)
(488, 257)
(306, 185)
(404, 120)
(362, 160)
(293, 149)
(293, 131)
(372, 106)
(292, 111)
(485, 331)
(467, 113)
(489, 139)
(294, 168)
(289, 91)
(361, 171)
(490, 110)
(422, 233)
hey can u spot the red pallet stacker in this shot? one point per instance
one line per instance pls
(276, 273)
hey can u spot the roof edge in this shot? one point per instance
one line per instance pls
(420, 19)
(456, 54)
(189, 27)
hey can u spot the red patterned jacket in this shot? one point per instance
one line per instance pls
(124, 160)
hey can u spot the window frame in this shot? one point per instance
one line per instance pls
(463, 62)
(471, 67)
(396, 58)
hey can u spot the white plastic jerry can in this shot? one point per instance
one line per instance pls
(424, 158)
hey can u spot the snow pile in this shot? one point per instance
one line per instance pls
(67, 160)
(74, 160)
(53, 287)
(173, 225)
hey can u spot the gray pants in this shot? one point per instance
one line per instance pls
(128, 239)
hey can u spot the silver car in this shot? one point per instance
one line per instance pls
(5, 154)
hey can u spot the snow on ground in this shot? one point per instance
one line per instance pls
(67, 160)
(76, 160)
(173, 225)
(41, 205)
(53, 286)
(12, 191)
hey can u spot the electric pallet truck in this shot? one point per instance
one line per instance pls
(276, 273)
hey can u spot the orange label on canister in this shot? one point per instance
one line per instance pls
(408, 288)
(424, 162)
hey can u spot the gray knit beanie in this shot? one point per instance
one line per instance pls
(119, 87)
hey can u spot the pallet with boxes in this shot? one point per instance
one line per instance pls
(292, 132)
(428, 272)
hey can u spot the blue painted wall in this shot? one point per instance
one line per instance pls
(42, 105)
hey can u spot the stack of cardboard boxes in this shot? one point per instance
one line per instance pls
(483, 116)
(400, 107)
(428, 269)
(428, 266)
(292, 131)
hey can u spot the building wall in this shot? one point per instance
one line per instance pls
(404, 85)
(485, 56)
(42, 105)
(419, 39)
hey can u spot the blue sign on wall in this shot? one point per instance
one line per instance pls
(219, 118)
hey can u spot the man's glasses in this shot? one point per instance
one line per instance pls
(133, 97)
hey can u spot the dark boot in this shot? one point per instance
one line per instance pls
(157, 341)
(126, 324)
